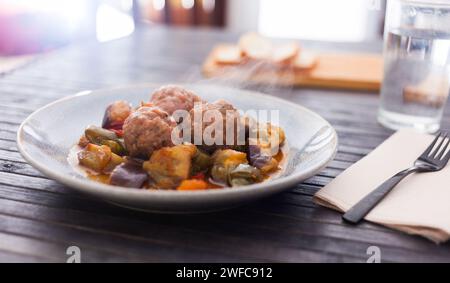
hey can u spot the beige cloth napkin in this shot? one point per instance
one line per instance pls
(420, 204)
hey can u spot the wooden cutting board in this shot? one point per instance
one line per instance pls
(333, 70)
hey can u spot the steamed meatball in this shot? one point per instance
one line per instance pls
(146, 130)
(171, 98)
(229, 124)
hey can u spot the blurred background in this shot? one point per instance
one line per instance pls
(33, 26)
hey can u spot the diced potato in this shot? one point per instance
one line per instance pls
(113, 162)
(269, 166)
(169, 166)
(99, 158)
(95, 157)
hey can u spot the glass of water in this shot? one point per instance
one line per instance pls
(416, 64)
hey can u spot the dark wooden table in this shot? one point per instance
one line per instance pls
(40, 218)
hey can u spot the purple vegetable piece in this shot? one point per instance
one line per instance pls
(129, 174)
(256, 157)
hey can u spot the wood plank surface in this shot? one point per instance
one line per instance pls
(40, 218)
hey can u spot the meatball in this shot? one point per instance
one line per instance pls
(230, 125)
(146, 130)
(170, 98)
(116, 113)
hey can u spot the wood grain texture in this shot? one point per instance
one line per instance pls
(40, 218)
(350, 71)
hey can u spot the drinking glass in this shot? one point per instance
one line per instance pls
(416, 64)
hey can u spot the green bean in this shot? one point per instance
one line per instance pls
(97, 135)
(100, 136)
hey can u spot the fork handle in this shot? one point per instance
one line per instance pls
(365, 205)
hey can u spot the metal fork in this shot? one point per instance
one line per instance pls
(431, 160)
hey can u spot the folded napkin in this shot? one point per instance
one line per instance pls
(420, 204)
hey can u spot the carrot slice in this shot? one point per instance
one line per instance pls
(192, 185)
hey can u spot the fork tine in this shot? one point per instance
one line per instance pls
(446, 157)
(437, 148)
(428, 150)
(444, 149)
(441, 153)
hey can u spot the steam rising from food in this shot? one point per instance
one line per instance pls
(258, 63)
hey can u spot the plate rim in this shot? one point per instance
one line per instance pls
(89, 186)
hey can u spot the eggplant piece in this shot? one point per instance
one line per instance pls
(261, 158)
(224, 162)
(102, 136)
(264, 146)
(244, 174)
(169, 166)
(99, 158)
(129, 174)
(115, 114)
(201, 162)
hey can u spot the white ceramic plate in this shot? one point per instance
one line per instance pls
(46, 136)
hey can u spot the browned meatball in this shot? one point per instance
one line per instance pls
(226, 111)
(170, 98)
(146, 130)
(116, 113)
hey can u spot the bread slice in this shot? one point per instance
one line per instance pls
(228, 55)
(285, 54)
(255, 46)
(305, 61)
